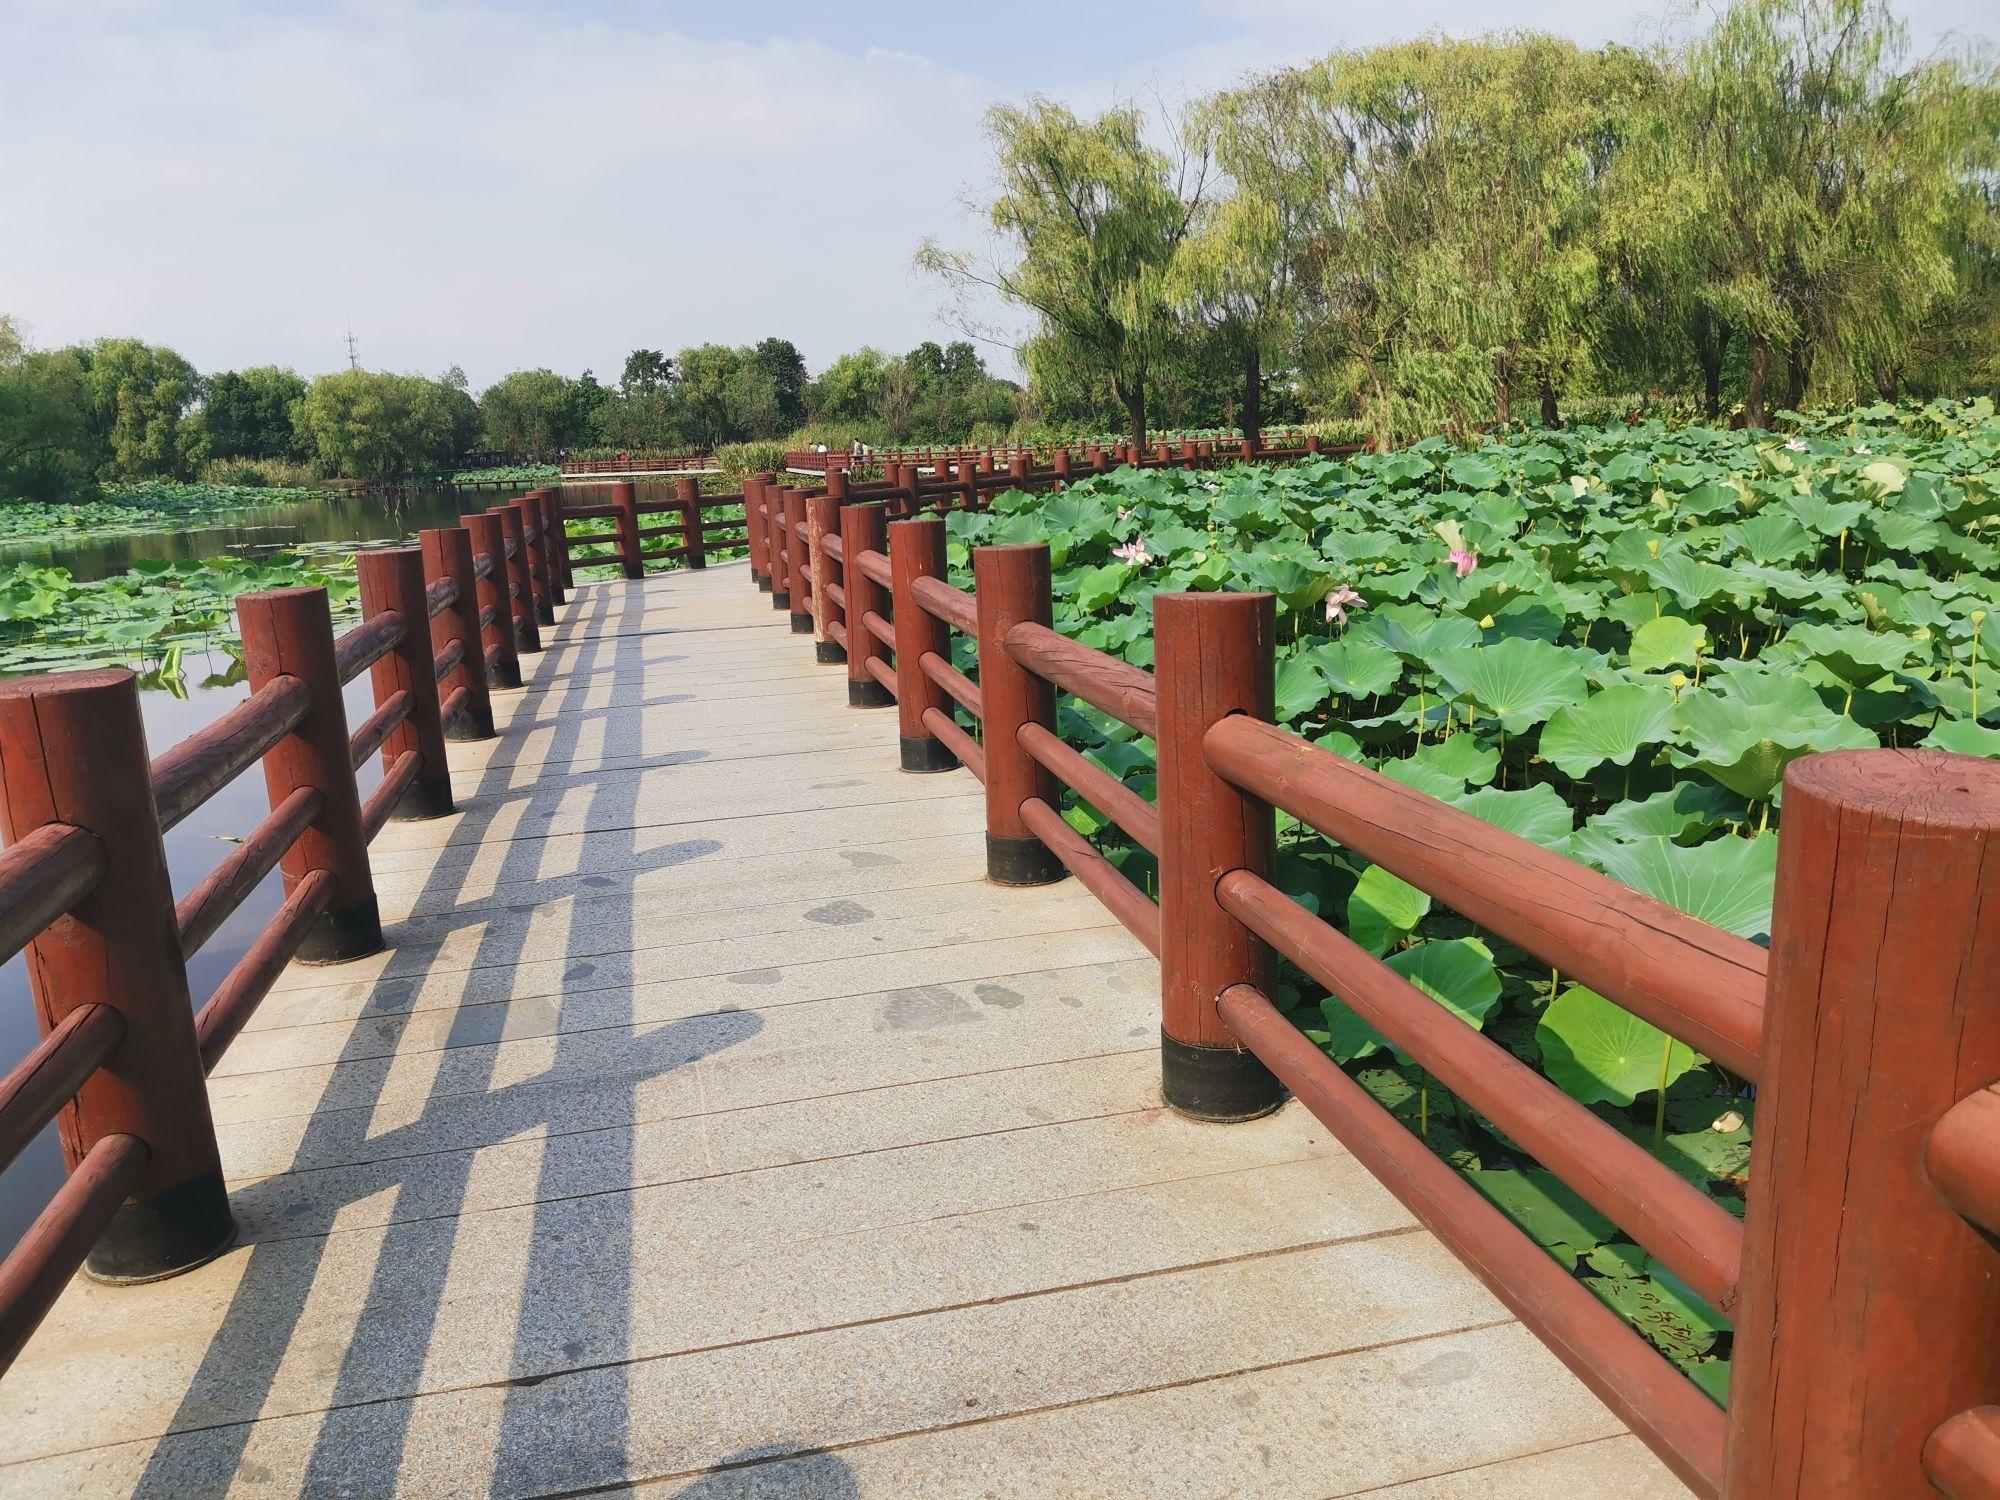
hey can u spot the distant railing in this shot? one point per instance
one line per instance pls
(1863, 1282)
(639, 463)
(989, 457)
(84, 888)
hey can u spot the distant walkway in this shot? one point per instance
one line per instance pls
(711, 1126)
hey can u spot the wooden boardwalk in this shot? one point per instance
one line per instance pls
(711, 1128)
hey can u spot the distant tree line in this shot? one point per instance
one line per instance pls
(1788, 207)
(120, 409)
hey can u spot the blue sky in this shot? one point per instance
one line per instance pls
(499, 184)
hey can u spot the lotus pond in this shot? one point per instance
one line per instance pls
(1609, 641)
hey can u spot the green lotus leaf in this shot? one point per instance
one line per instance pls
(1854, 655)
(1600, 1053)
(1726, 882)
(1537, 814)
(1520, 682)
(1965, 737)
(1548, 1210)
(1383, 910)
(1463, 756)
(1690, 807)
(1356, 668)
(1667, 641)
(1745, 740)
(1613, 725)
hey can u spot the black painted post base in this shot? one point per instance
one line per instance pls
(545, 613)
(1217, 1084)
(635, 571)
(1026, 861)
(802, 624)
(343, 934)
(763, 582)
(696, 561)
(150, 1239)
(925, 755)
(428, 797)
(780, 599)
(464, 726)
(868, 693)
(829, 653)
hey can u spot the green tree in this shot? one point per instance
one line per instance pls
(139, 395)
(1091, 218)
(246, 414)
(1811, 182)
(538, 412)
(367, 424)
(48, 450)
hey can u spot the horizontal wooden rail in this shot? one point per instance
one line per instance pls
(1686, 1230)
(883, 673)
(36, 1089)
(378, 726)
(830, 544)
(953, 681)
(367, 643)
(209, 759)
(1642, 1389)
(1095, 785)
(956, 740)
(40, 1266)
(203, 910)
(953, 606)
(42, 876)
(446, 661)
(482, 566)
(382, 801)
(243, 989)
(880, 628)
(1962, 1458)
(874, 566)
(440, 596)
(1104, 682)
(1104, 880)
(1963, 1157)
(1703, 985)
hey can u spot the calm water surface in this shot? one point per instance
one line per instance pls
(199, 843)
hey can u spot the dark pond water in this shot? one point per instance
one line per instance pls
(200, 842)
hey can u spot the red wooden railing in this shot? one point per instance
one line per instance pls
(84, 888)
(1272, 444)
(1864, 1279)
(639, 463)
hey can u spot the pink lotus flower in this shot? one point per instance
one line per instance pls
(1463, 559)
(1340, 601)
(1133, 551)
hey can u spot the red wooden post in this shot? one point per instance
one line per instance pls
(1010, 585)
(626, 497)
(1100, 461)
(496, 631)
(1059, 460)
(798, 573)
(393, 578)
(289, 633)
(1870, 1310)
(561, 524)
(73, 750)
(1312, 443)
(777, 546)
(916, 550)
(536, 547)
(1248, 450)
(448, 555)
(687, 491)
(549, 529)
(520, 584)
(822, 521)
(757, 520)
(1213, 658)
(863, 529)
(1188, 453)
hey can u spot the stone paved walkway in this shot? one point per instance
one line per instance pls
(711, 1128)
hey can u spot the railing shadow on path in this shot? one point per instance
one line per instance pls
(574, 1294)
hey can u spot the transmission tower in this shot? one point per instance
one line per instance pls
(353, 360)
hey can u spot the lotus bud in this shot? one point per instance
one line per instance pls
(1728, 1121)
(1486, 622)
(1653, 546)
(1678, 681)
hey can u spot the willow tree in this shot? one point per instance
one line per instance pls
(1244, 270)
(1088, 220)
(1810, 181)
